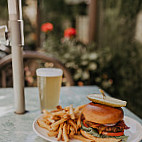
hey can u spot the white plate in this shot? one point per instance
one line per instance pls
(134, 133)
(43, 132)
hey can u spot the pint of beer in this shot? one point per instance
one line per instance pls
(49, 84)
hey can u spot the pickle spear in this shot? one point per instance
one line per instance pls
(106, 100)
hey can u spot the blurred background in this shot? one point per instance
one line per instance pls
(98, 41)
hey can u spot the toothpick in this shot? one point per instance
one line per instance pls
(102, 93)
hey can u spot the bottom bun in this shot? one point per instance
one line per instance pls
(96, 139)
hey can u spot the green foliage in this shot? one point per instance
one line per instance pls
(4, 11)
(84, 61)
(124, 65)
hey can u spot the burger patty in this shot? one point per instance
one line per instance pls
(119, 127)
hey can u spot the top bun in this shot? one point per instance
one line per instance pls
(102, 114)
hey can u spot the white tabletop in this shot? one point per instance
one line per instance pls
(18, 128)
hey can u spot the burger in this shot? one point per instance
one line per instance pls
(103, 118)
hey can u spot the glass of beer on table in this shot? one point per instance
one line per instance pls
(49, 83)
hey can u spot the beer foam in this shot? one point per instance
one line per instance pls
(49, 72)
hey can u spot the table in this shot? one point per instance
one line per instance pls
(18, 128)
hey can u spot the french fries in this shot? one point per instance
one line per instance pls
(53, 134)
(72, 132)
(65, 136)
(60, 132)
(78, 108)
(71, 112)
(57, 123)
(63, 123)
(79, 121)
(59, 107)
(73, 124)
(42, 124)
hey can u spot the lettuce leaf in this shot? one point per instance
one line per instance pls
(94, 132)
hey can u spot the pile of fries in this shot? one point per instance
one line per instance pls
(65, 124)
(62, 123)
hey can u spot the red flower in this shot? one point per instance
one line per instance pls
(69, 32)
(47, 27)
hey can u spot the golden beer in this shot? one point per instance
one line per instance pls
(49, 84)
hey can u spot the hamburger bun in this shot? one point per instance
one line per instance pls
(102, 114)
(89, 136)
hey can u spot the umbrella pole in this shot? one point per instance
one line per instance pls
(17, 42)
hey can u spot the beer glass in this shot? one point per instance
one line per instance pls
(49, 84)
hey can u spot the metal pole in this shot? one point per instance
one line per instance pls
(17, 42)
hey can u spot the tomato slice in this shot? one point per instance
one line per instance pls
(113, 134)
(85, 124)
